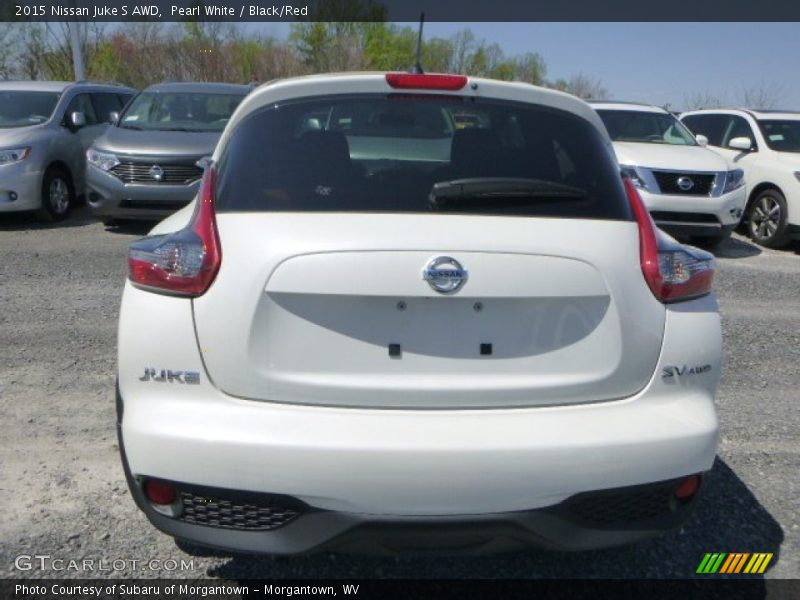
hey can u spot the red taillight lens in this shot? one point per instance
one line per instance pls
(159, 492)
(425, 81)
(688, 487)
(672, 271)
(183, 263)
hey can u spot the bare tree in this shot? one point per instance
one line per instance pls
(763, 95)
(700, 100)
(531, 68)
(581, 85)
(7, 43)
(31, 41)
(463, 43)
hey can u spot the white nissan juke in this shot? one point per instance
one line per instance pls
(415, 312)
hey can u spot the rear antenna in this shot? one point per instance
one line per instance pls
(417, 68)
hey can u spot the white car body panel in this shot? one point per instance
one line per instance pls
(562, 331)
(403, 462)
(669, 158)
(765, 166)
(297, 396)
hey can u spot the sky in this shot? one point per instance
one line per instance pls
(657, 63)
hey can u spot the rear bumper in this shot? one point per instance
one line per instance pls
(583, 522)
(108, 197)
(396, 463)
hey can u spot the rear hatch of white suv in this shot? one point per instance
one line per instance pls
(409, 249)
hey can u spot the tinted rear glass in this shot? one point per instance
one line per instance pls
(377, 153)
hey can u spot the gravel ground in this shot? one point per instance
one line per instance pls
(62, 487)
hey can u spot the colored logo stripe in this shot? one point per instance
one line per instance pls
(734, 563)
(758, 564)
(724, 563)
(711, 562)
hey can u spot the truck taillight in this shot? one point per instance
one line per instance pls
(673, 272)
(183, 263)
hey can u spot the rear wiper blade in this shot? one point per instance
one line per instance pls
(501, 188)
(131, 127)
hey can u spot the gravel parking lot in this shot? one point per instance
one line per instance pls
(63, 492)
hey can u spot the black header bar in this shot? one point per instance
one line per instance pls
(400, 10)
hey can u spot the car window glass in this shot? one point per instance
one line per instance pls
(738, 127)
(104, 105)
(645, 127)
(82, 103)
(712, 126)
(782, 135)
(23, 108)
(124, 99)
(180, 111)
(373, 153)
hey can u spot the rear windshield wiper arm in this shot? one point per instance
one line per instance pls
(501, 188)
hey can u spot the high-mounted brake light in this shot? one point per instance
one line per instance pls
(186, 262)
(673, 272)
(426, 81)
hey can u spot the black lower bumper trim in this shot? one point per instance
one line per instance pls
(695, 229)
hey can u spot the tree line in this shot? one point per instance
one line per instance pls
(140, 54)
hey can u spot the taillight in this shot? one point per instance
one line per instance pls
(426, 81)
(673, 272)
(688, 487)
(160, 492)
(183, 263)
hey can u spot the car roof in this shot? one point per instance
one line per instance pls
(61, 86)
(35, 86)
(756, 114)
(630, 106)
(775, 114)
(199, 87)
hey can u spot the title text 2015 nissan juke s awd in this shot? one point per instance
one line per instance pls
(381, 328)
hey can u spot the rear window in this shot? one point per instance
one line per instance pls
(412, 153)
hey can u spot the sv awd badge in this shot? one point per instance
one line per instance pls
(169, 376)
(684, 371)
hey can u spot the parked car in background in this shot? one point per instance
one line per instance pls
(45, 129)
(374, 330)
(146, 165)
(689, 190)
(766, 145)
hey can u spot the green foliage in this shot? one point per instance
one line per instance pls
(140, 54)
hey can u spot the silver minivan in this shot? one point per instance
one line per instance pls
(45, 129)
(149, 163)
